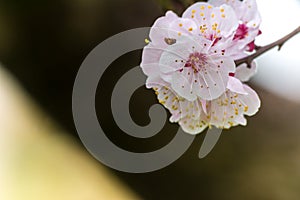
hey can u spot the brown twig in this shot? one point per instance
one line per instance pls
(260, 50)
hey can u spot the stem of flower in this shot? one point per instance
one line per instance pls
(260, 50)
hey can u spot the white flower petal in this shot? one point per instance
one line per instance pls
(251, 14)
(213, 81)
(160, 29)
(204, 107)
(226, 20)
(175, 56)
(246, 10)
(192, 126)
(207, 16)
(243, 73)
(199, 12)
(229, 109)
(225, 64)
(188, 113)
(168, 98)
(214, 84)
(235, 85)
(155, 81)
(241, 120)
(183, 27)
(150, 60)
(182, 86)
(251, 101)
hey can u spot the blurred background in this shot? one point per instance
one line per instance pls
(42, 45)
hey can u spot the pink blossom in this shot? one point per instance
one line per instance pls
(190, 52)
(224, 112)
(190, 64)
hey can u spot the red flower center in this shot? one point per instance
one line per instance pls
(241, 32)
(196, 61)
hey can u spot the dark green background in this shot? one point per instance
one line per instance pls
(43, 43)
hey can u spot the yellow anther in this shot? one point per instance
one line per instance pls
(191, 127)
(236, 111)
(174, 107)
(202, 14)
(223, 15)
(162, 102)
(202, 7)
(209, 7)
(191, 29)
(230, 123)
(180, 25)
(147, 41)
(222, 9)
(193, 11)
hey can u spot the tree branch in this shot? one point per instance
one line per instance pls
(260, 50)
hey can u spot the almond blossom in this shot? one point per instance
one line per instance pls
(190, 52)
(224, 112)
(189, 62)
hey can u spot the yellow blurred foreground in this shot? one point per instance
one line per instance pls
(38, 162)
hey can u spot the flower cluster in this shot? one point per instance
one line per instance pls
(189, 62)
